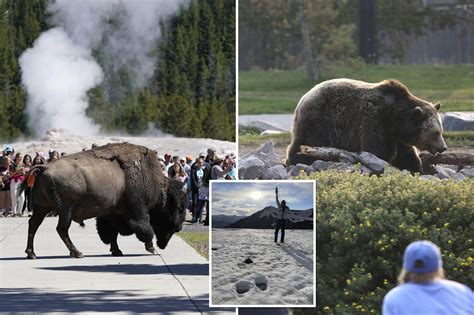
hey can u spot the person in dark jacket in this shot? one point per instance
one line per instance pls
(283, 212)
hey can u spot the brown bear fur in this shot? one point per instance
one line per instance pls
(382, 118)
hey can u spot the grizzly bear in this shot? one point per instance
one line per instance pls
(381, 118)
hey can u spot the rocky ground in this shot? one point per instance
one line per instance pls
(268, 162)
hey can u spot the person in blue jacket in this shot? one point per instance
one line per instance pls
(422, 287)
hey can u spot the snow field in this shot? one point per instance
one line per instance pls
(280, 274)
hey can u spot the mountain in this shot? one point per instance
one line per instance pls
(266, 219)
(221, 221)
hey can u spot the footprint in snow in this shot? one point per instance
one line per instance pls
(243, 286)
(261, 282)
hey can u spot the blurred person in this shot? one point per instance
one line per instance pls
(8, 151)
(39, 159)
(27, 166)
(5, 196)
(175, 159)
(197, 173)
(186, 164)
(167, 159)
(17, 173)
(53, 156)
(177, 172)
(163, 168)
(219, 171)
(422, 288)
(211, 156)
(229, 160)
(203, 194)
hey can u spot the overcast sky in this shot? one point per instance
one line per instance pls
(246, 198)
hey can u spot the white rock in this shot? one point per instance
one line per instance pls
(266, 154)
(251, 168)
(456, 121)
(276, 172)
(444, 172)
(428, 177)
(320, 165)
(295, 170)
(468, 171)
(371, 161)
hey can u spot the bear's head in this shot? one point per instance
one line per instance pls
(423, 128)
(415, 122)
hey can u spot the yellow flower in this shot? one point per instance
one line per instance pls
(446, 225)
(327, 308)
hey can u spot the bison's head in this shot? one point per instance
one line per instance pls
(169, 220)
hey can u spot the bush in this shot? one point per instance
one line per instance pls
(364, 224)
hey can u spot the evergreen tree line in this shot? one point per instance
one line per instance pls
(283, 34)
(191, 93)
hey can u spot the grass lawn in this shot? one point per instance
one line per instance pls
(278, 91)
(199, 240)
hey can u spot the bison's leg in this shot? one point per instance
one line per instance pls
(63, 227)
(143, 230)
(108, 234)
(33, 224)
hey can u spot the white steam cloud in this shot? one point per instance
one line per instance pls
(59, 69)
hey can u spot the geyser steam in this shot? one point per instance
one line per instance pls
(59, 69)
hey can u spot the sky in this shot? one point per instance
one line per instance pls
(246, 198)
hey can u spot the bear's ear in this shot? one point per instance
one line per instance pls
(418, 113)
(437, 106)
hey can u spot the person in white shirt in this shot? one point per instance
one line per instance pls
(422, 288)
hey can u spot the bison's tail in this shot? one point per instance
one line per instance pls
(30, 181)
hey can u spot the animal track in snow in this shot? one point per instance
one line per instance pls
(243, 286)
(261, 282)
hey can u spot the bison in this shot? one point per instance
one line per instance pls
(120, 184)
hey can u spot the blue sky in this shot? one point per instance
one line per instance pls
(245, 198)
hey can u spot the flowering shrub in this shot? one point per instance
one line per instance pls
(364, 224)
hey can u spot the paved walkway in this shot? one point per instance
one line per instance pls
(174, 282)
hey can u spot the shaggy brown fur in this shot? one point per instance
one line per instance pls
(120, 184)
(382, 118)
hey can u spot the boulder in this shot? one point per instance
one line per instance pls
(295, 170)
(341, 166)
(457, 121)
(266, 154)
(251, 168)
(444, 172)
(428, 177)
(458, 177)
(276, 172)
(372, 162)
(320, 165)
(468, 171)
(365, 170)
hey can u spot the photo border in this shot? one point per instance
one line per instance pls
(313, 305)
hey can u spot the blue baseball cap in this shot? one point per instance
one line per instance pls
(422, 257)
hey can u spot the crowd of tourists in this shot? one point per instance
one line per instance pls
(195, 173)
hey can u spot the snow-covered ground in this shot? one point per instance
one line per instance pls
(279, 275)
(62, 141)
